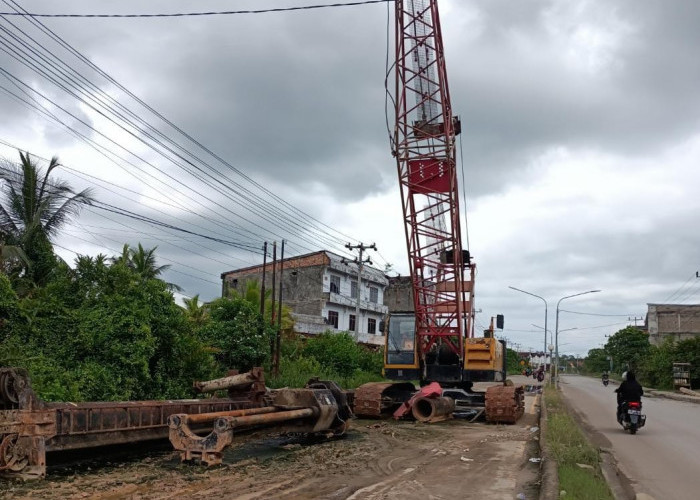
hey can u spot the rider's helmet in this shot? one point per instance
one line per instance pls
(624, 377)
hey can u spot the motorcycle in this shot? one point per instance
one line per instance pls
(631, 417)
(606, 382)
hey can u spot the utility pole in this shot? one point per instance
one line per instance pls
(272, 307)
(278, 336)
(360, 262)
(262, 287)
(635, 319)
(274, 267)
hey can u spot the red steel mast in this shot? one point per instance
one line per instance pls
(424, 146)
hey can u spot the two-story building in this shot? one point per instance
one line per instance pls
(322, 290)
(676, 321)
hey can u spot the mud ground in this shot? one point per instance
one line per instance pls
(375, 460)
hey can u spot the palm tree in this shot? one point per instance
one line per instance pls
(143, 261)
(196, 314)
(33, 208)
(124, 258)
(252, 295)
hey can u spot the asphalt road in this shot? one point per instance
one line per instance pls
(663, 458)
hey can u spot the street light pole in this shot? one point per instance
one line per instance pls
(556, 333)
(544, 349)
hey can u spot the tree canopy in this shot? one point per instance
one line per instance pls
(33, 208)
(628, 347)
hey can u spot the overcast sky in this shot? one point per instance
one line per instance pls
(580, 143)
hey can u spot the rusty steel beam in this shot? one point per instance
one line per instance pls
(29, 427)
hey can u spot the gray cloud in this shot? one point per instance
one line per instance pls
(297, 102)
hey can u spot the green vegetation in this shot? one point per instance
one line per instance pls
(108, 328)
(570, 448)
(104, 330)
(330, 356)
(630, 348)
(513, 366)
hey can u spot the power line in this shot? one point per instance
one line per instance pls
(91, 178)
(95, 89)
(160, 225)
(678, 291)
(132, 215)
(595, 314)
(15, 80)
(199, 14)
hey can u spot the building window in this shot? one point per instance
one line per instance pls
(373, 294)
(351, 326)
(353, 289)
(372, 325)
(335, 285)
(333, 318)
(234, 283)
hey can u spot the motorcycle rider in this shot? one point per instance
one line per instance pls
(605, 377)
(629, 390)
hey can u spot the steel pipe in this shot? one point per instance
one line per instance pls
(203, 418)
(225, 423)
(240, 380)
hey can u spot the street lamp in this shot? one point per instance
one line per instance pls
(545, 313)
(556, 332)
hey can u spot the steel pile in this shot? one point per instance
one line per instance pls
(29, 427)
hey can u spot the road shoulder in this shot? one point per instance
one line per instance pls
(619, 483)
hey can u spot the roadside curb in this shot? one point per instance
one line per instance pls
(549, 487)
(671, 395)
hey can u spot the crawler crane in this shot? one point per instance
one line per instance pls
(435, 342)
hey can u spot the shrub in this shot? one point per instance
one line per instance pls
(237, 333)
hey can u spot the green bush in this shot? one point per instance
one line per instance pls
(237, 333)
(296, 372)
(101, 331)
(329, 356)
(335, 352)
(656, 370)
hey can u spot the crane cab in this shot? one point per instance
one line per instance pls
(484, 359)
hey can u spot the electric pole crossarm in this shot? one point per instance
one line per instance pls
(361, 247)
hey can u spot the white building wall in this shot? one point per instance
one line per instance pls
(348, 307)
